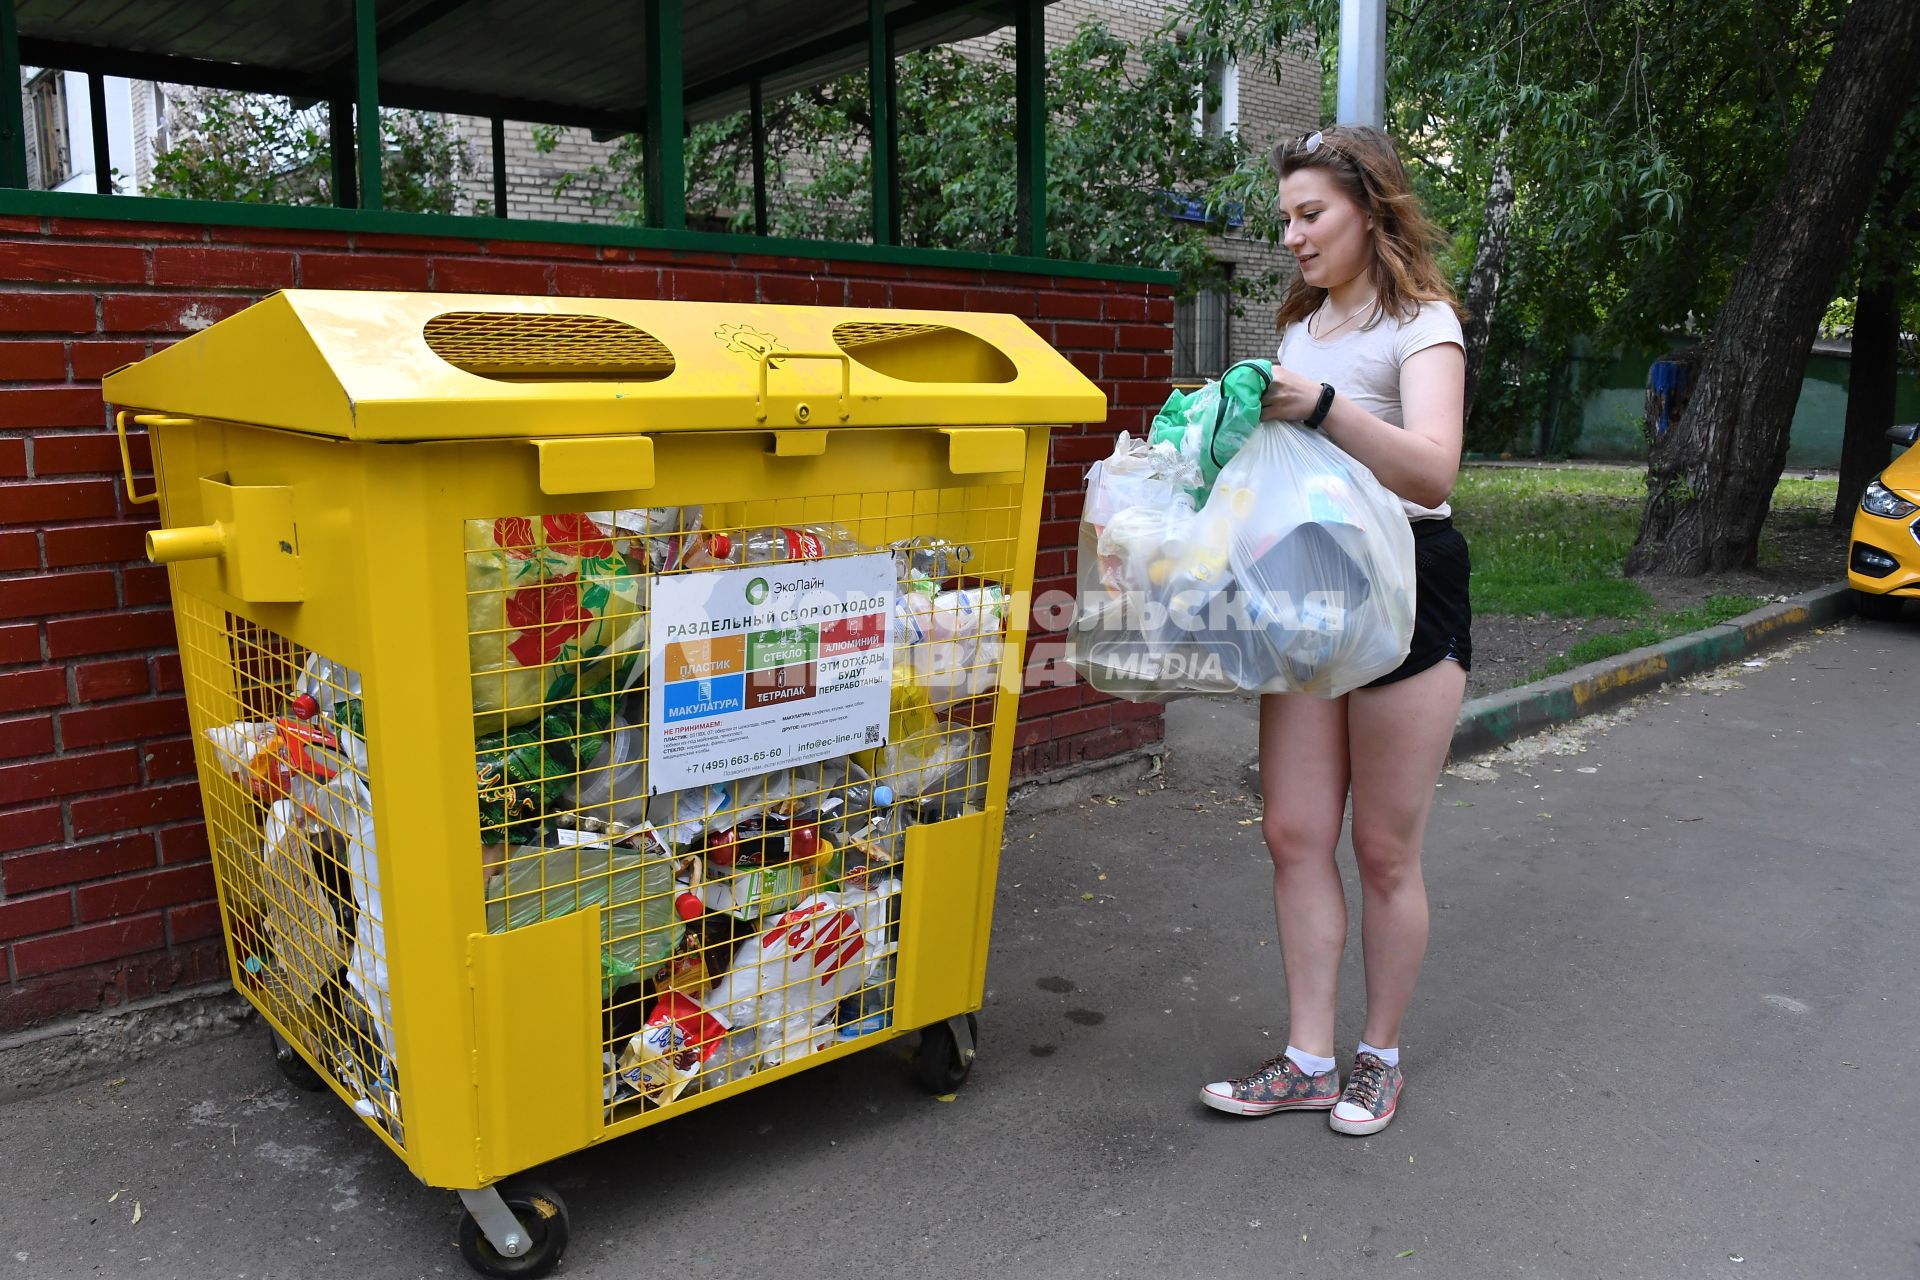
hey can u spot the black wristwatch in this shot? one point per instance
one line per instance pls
(1319, 415)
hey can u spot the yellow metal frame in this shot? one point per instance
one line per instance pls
(486, 1025)
(359, 366)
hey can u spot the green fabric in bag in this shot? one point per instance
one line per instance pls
(1209, 426)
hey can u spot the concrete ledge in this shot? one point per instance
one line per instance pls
(92, 1045)
(1500, 718)
(1078, 782)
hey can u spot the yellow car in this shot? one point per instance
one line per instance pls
(1883, 565)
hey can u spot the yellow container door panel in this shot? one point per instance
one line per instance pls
(536, 1073)
(943, 921)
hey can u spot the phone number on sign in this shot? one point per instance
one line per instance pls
(726, 763)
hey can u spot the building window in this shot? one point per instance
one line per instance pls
(1200, 333)
(159, 119)
(1218, 112)
(48, 93)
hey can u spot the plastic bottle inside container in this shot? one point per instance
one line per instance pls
(801, 542)
(707, 550)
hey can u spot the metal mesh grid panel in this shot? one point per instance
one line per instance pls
(860, 333)
(279, 732)
(752, 919)
(513, 346)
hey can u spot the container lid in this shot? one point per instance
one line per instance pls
(439, 366)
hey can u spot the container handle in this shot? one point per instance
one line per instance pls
(194, 542)
(801, 412)
(126, 458)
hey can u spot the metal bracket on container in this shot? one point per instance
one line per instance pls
(502, 1230)
(963, 1039)
(251, 531)
(983, 450)
(803, 413)
(595, 464)
(799, 443)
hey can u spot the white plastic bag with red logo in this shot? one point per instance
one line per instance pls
(780, 999)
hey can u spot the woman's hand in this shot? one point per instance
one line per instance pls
(1291, 397)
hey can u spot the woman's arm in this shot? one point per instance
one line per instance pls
(1419, 462)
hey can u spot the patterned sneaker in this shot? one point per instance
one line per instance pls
(1372, 1096)
(1279, 1085)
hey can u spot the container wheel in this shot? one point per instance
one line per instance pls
(541, 1214)
(1875, 608)
(293, 1066)
(941, 1063)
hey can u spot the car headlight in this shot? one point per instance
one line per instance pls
(1881, 501)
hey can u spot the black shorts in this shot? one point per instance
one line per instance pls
(1442, 614)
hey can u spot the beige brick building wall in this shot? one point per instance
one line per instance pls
(534, 175)
(1264, 107)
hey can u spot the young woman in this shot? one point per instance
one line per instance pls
(1371, 355)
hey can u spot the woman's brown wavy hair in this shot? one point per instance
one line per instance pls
(1364, 161)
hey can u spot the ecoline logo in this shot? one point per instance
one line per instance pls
(757, 591)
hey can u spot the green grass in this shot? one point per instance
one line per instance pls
(1662, 626)
(1552, 540)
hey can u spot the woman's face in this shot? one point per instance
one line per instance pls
(1329, 235)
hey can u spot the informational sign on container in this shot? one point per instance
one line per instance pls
(767, 667)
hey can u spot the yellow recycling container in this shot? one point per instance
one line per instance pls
(601, 707)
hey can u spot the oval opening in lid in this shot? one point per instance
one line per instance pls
(923, 352)
(532, 346)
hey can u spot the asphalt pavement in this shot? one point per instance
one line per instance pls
(1663, 1031)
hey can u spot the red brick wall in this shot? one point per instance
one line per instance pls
(106, 893)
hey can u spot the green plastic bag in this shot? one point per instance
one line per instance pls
(638, 927)
(1209, 426)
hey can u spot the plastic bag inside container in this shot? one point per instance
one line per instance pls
(578, 869)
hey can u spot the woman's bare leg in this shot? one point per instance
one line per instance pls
(1398, 736)
(1303, 775)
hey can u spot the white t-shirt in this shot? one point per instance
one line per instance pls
(1364, 366)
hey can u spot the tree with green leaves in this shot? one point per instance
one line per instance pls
(1121, 144)
(1711, 477)
(265, 149)
(1882, 319)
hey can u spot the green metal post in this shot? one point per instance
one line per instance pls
(13, 124)
(367, 84)
(102, 154)
(666, 163)
(499, 167)
(757, 121)
(346, 186)
(1030, 124)
(886, 192)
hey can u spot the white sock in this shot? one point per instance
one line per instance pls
(1389, 1056)
(1309, 1063)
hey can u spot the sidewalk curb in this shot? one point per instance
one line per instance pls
(1499, 718)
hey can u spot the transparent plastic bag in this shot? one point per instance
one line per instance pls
(1295, 577)
(614, 786)
(579, 870)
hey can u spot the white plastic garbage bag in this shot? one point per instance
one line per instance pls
(1295, 577)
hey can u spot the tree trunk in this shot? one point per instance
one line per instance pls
(1711, 477)
(1489, 266)
(1871, 381)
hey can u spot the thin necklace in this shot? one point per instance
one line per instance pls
(1351, 316)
